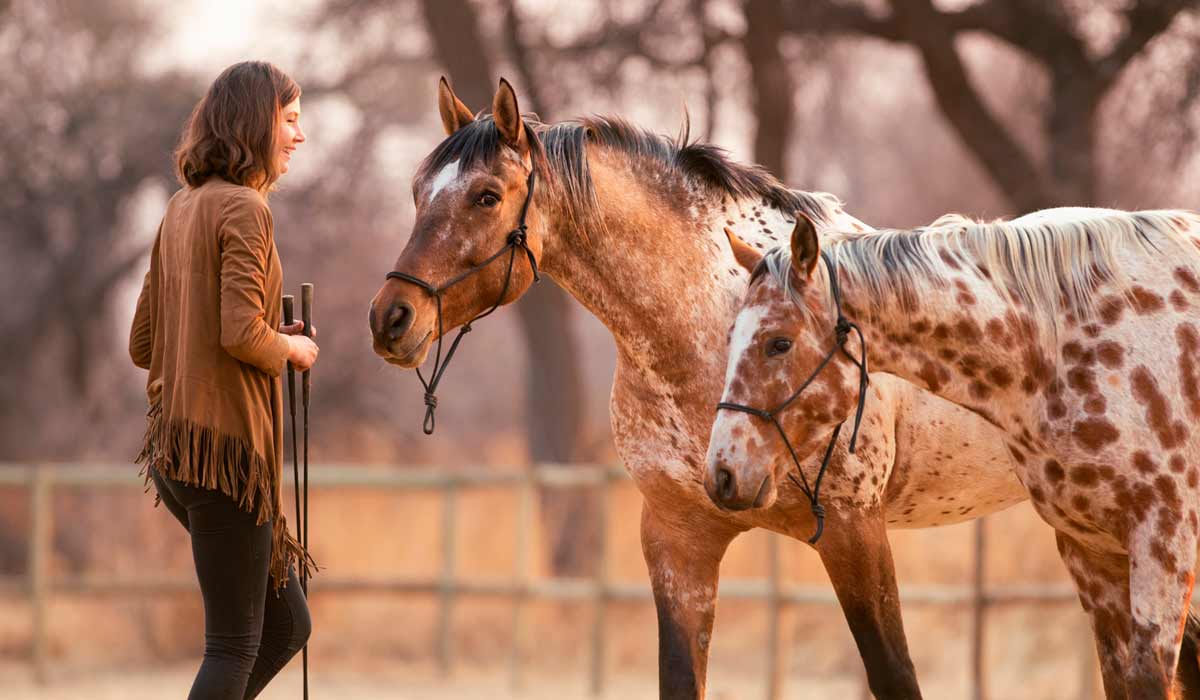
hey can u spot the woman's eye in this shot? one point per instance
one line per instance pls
(778, 347)
(488, 199)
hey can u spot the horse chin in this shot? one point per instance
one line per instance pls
(767, 493)
(410, 357)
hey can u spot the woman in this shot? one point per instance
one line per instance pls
(205, 327)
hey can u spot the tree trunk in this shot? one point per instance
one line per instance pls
(1071, 137)
(554, 388)
(773, 90)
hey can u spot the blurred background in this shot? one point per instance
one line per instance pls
(905, 109)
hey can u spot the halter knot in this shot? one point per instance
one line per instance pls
(518, 236)
(818, 511)
(842, 329)
(430, 400)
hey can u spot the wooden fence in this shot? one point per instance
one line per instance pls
(448, 586)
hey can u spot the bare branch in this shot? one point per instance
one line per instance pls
(1005, 160)
(708, 35)
(533, 98)
(1146, 20)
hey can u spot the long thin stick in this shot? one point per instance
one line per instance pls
(306, 308)
(289, 317)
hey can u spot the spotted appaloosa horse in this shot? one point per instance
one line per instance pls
(1076, 332)
(631, 224)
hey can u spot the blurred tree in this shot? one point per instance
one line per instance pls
(772, 86)
(85, 135)
(73, 156)
(1046, 31)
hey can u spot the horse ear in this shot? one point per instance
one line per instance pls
(508, 116)
(746, 256)
(455, 114)
(805, 247)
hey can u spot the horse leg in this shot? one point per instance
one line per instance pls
(1162, 556)
(683, 558)
(1187, 671)
(858, 558)
(1102, 581)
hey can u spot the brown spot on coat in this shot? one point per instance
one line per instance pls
(1111, 354)
(1188, 279)
(1144, 463)
(1111, 309)
(1145, 301)
(968, 331)
(1000, 376)
(1084, 475)
(1054, 471)
(1095, 433)
(979, 390)
(1178, 301)
(1189, 366)
(932, 375)
(1082, 380)
(1158, 411)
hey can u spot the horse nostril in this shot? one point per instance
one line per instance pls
(399, 319)
(726, 485)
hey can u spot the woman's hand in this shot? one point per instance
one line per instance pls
(296, 328)
(302, 351)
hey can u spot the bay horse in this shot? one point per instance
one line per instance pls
(631, 224)
(1075, 332)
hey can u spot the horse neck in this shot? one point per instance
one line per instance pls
(660, 273)
(960, 338)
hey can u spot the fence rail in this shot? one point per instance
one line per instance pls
(39, 585)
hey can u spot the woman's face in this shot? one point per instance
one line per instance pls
(289, 137)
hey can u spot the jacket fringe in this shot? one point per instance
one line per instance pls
(200, 456)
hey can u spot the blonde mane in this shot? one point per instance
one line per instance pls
(1052, 267)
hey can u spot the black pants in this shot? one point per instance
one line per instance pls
(250, 633)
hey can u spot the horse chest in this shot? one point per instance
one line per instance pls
(654, 435)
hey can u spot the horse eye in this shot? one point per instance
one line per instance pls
(778, 347)
(488, 199)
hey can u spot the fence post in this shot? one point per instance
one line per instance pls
(602, 592)
(774, 661)
(979, 610)
(525, 491)
(39, 565)
(446, 612)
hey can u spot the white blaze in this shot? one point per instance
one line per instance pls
(445, 177)
(744, 327)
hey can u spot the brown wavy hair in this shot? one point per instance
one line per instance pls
(231, 132)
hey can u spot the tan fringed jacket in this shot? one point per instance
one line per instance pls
(206, 327)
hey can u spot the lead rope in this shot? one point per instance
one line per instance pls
(517, 238)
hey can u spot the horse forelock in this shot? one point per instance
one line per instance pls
(479, 142)
(777, 264)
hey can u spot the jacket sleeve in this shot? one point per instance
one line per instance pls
(247, 243)
(141, 338)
